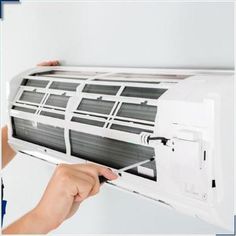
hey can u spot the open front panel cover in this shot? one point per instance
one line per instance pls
(97, 117)
(107, 117)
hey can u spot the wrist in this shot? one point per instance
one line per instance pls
(41, 220)
(32, 223)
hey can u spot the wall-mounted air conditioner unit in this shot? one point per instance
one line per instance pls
(183, 119)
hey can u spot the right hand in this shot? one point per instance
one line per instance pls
(68, 187)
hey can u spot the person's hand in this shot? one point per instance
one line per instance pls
(68, 187)
(49, 63)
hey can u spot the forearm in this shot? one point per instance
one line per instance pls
(7, 152)
(31, 223)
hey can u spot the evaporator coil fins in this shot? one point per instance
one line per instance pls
(44, 135)
(106, 116)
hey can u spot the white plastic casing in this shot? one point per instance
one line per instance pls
(195, 167)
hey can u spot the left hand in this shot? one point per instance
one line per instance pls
(49, 63)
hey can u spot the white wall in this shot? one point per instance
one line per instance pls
(186, 35)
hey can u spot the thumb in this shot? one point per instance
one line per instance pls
(108, 174)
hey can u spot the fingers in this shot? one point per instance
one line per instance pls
(78, 184)
(109, 174)
(96, 170)
(88, 179)
(85, 178)
(89, 176)
(75, 185)
(49, 63)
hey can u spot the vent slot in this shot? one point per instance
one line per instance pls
(33, 97)
(144, 76)
(43, 135)
(57, 100)
(88, 122)
(138, 111)
(64, 86)
(213, 184)
(101, 89)
(97, 106)
(25, 109)
(35, 83)
(152, 93)
(109, 152)
(129, 129)
(51, 114)
(82, 75)
(75, 73)
(129, 81)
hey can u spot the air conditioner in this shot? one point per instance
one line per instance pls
(119, 116)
